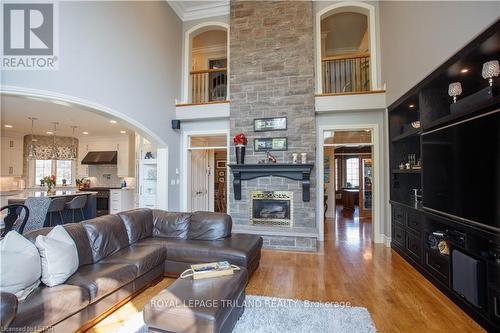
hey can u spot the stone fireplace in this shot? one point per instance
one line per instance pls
(271, 208)
(272, 75)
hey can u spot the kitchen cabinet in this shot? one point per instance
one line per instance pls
(120, 200)
(12, 157)
(147, 173)
(125, 166)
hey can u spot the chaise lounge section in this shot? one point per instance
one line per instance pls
(119, 256)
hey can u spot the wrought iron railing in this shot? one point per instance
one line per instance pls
(344, 74)
(209, 85)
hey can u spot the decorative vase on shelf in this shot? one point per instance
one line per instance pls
(240, 141)
(240, 154)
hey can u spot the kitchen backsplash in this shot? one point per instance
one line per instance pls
(103, 176)
(11, 183)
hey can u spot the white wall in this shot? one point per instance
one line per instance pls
(417, 37)
(123, 55)
(370, 117)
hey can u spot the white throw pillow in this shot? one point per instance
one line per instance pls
(59, 256)
(19, 265)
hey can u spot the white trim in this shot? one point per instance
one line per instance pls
(377, 200)
(386, 240)
(186, 61)
(162, 178)
(373, 40)
(208, 9)
(186, 165)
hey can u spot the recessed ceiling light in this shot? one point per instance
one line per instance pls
(85, 133)
(464, 70)
(411, 106)
(113, 121)
(123, 132)
(8, 126)
(50, 132)
(61, 103)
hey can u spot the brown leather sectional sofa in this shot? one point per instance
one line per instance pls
(122, 254)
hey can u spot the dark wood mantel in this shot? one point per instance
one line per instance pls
(300, 172)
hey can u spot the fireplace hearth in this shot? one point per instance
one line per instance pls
(272, 208)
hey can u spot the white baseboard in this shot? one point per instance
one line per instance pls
(386, 240)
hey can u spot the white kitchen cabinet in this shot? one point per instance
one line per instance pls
(125, 166)
(12, 157)
(120, 200)
(147, 174)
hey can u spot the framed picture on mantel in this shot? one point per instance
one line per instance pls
(269, 124)
(271, 144)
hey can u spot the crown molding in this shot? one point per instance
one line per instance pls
(188, 12)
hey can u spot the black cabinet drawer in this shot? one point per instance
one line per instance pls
(398, 236)
(413, 222)
(438, 266)
(414, 246)
(495, 306)
(398, 214)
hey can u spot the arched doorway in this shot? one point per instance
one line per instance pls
(205, 66)
(346, 52)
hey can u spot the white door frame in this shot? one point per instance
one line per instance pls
(377, 198)
(186, 161)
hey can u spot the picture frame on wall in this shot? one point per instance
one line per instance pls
(270, 124)
(270, 144)
(221, 165)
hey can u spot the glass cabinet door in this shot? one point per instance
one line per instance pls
(367, 172)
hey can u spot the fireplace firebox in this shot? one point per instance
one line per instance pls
(271, 208)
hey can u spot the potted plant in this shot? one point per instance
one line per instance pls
(240, 141)
(50, 181)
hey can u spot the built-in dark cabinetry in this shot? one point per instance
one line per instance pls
(415, 230)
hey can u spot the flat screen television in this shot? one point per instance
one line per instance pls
(461, 170)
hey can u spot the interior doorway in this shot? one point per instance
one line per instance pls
(207, 170)
(348, 183)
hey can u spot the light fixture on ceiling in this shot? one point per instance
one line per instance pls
(464, 70)
(63, 103)
(50, 132)
(411, 106)
(85, 133)
(53, 152)
(8, 126)
(113, 121)
(31, 146)
(74, 154)
(123, 132)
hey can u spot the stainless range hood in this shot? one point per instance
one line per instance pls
(100, 157)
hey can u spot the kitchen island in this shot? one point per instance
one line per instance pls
(89, 210)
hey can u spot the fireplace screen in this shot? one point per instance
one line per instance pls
(271, 208)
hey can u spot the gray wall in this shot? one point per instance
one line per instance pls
(123, 55)
(416, 37)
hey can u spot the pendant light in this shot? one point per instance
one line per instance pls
(31, 145)
(53, 153)
(73, 154)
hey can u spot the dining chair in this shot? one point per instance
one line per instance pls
(13, 217)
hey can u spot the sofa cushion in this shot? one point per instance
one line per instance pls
(58, 255)
(107, 235)
(144, 258)
(170, 224)
(8, 309)
(239, 250)
(47, 306)
(79, 235)
(20, 268)
(100, 280)
(138, 223)
(209, 226)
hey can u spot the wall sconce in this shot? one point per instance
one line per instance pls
(454, 90)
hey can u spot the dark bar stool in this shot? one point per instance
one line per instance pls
(77, 203)
(56, 206)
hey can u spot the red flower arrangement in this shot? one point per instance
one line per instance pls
(240, 139)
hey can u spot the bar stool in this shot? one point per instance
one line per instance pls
(77, 202)
(56, 206)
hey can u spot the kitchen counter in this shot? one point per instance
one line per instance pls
(39, 194)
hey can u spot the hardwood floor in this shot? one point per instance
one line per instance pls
(349, 268)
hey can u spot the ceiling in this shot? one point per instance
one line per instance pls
(15, 111)
(192, 10)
